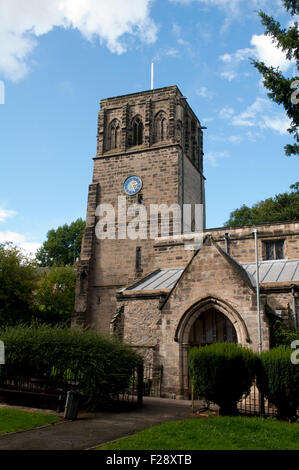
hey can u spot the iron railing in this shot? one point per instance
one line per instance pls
(51, 391)
(252, 404)
(255, 404)
(152, 380)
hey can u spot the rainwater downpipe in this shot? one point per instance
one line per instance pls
(260, 346)
(226, 237)
(294, 307)
(258, 293)
(183, 190)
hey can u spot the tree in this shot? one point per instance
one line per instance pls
(55, 295)
(282, 88)
(282, 208)
(62, 246)
(18, 279)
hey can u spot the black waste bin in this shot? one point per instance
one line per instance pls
(72, 405)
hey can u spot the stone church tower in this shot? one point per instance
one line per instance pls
(155, 136)
(151, 291)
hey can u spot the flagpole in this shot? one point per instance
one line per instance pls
(152, 76)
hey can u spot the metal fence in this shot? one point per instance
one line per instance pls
(51, 392)
(152, 380)
(255, 404)
(133, 394)
(252, 404)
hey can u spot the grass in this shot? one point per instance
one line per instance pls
(214, 433)
(12, 420)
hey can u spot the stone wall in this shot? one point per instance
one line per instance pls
(172, 253)
(209, 275)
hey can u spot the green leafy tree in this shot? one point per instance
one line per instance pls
(281, 208)
(282, 88)
(55, 295)
(18, 279)
(62, 246)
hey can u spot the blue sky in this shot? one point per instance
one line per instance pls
(58, 58)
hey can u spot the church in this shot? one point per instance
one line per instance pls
(164, 294)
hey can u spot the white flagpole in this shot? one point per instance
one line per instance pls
(152, 76)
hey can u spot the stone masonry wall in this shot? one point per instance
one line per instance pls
(209, 275)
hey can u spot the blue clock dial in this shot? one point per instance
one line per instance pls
(132, 185)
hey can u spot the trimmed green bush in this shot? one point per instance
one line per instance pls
(221, 373)
(102, 365)
(278, 379)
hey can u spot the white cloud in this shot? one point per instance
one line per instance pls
(213, 157)
(21, 241)
(235, 139)
(261, 113)
(226, 113)
(253, 136)
(177, 32)
(30, 248)
(206, 120)
(6, 214)
(233, 9)
(183, 42)
(238, 56)
(171, 52)
(13, 237)
(229, 75)
(264, 50)
(268, 51)
(21, 23)
(249, 116)
(231, 4)
(205, 93)
(279, 124)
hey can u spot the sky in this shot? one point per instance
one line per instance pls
(59, 58)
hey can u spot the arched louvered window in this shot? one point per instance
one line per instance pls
(179, 131)
(83, 283)
(160, 127)
(114, 134)
(137, 131)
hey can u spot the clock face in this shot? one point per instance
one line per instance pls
(132, 185)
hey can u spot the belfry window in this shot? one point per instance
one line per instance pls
(137, 131)
(83, 283)
(160, 127)
(114, 135)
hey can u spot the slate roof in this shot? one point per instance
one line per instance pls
(158, 280)
(273, 271)
(283, 270)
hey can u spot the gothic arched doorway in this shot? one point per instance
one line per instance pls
(208, 321)
(210, 327)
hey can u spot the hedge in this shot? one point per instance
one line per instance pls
(103, 365)
(278, 379)
(222, 373)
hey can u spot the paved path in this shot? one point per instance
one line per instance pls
(92, 429)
